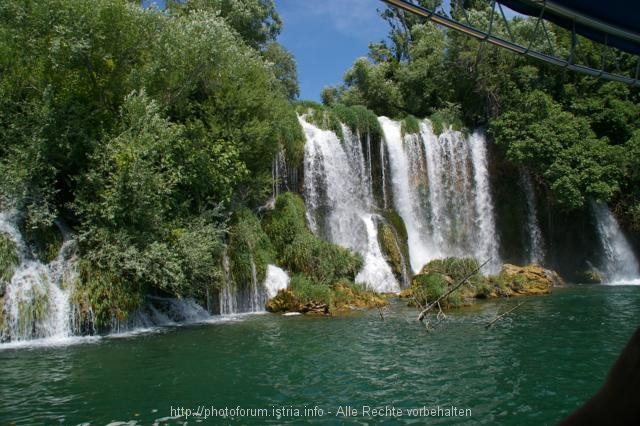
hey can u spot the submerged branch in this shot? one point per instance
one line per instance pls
(499, 317)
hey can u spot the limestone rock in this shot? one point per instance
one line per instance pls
(529, 280)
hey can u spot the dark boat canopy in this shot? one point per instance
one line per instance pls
(612, 23)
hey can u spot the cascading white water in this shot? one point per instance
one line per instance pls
(375, 270)
(619, 265)
(228, 301)
(406, 197)
(276, 280)
(441, 191)
(162, 311)
(486, 241)
(385, 203)
(535, 249)
(36, 300)
(256, 302)
(339, 200)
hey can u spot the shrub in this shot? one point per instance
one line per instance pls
(306, 290)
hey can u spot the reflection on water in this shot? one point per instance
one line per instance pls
(533, 367)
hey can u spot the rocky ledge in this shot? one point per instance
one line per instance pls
(439, 276)
(343, 297)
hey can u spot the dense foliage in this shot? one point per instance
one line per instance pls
(573, 132)
(143, 130)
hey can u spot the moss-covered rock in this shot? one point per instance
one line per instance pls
(438, 276)
(527, 280)
(348, 296)
(391, 250)
(590, 276)
(9, 260)
(306, 297)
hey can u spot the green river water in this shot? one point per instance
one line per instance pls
(532, 368)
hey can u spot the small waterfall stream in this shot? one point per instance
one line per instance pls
(619, 264)
(36, 298)
(535, 249)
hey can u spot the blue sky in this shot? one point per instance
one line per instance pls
(326, 36)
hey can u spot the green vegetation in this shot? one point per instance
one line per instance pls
(8, 260)
(300, 251)
(410, 125)
(323, 272)
(577, 135)
(144, 130)
(441, 275)
(46, 240)
(303, 295)
(249, 247)
(437, 276)
(307, 290)
(356, 117)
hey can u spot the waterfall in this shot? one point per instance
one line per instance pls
(486, 242)
(441, 190)
(163, 311)
(36, 298)
(406, 198)
(276, 280)
(256, 302)
(619, 264)
(278, 173)
(385, 203)
(339, 200)
(228, 302)
(534, 234)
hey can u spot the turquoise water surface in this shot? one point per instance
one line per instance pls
(532, 368)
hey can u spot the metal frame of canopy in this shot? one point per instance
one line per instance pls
(575, 23)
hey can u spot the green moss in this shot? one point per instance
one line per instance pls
(340, 296)
(358, 119)
(9, 259)
(391, 249)
(348, 295)
(429, 287)
(410, 125)
(397, 222)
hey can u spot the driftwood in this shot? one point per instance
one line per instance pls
(502, 315)
(448, 292)
(380, 311)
